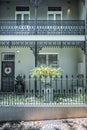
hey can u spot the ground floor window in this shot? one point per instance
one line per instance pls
(51, 59)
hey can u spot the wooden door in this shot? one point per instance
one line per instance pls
(7, 75)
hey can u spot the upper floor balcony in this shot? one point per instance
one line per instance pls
(42, 27)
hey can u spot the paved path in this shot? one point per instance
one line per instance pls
(63, 124)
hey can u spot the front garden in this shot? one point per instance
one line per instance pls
(22, 98)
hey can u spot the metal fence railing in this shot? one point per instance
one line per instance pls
(59, 90)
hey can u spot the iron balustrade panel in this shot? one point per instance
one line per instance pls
(42, 27)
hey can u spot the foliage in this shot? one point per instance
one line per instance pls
(19, 83)
(19, 79)
(12, 98)
(46, 71)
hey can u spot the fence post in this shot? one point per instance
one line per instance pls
(67, 84)
(24, 83)
(72, 89)
(61, 84)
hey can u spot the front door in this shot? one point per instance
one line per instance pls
(8, 72)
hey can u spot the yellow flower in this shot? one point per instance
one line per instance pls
(45, 71)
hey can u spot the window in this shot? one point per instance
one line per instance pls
(54, 13)
(22, 8)
(22, 13)
(9, 56)
(48, 59)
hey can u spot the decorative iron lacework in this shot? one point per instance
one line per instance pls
(42, 27)
(43, 44)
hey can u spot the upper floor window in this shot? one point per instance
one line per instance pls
(22, 8)
(50, 59)
(22, 13)
(54, 13)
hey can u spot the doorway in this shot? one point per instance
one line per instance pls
(7, 72)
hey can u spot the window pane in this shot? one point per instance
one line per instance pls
(22, 8)
(52, 60)
(58, 16)
(41, 59)
(26, 16)
(54, 8)
(51, 17)
(8, 57)
(19, 16)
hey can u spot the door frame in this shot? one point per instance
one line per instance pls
(2, 61)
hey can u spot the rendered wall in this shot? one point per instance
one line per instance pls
(7, 10)
(68, 59)
(34, 112)
(81, 59)
(24, 60)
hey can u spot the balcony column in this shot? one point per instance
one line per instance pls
(36, 8)
(86, 40)
(36, 3)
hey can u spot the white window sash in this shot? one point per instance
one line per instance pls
(54, 13)
(22, 13)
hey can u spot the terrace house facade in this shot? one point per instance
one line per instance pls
(38, 32)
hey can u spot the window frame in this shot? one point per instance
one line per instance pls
(54, 13)
(22, 13)
(47, 59)
(3, 54)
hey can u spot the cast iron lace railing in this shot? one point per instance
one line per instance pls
(44, 27)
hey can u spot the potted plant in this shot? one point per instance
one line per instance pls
(45, 72)
(20, 83)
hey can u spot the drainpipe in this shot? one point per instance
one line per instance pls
(86, 42)
(36, 8)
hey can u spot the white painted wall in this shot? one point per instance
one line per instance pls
(63, 3)
(24, 60)
(81, 59)
(68, 59)
(7, 10)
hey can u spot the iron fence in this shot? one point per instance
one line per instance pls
(63, 90)
(43, 27)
